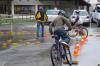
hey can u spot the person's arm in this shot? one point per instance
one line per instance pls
(67, 22)
(50, 27)
(45, 17)
(76, 20)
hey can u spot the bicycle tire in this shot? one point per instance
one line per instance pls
(58, 61)
(68, 56)
(86, 30)
(83, 29)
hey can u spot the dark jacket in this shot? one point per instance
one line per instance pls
(59, 23)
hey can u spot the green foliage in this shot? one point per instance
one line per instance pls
(14, 21)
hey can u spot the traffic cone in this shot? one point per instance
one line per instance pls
(82, 41)
(77, 46)
(84, 37)
(76, 52)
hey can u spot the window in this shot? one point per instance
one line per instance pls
(5, 7)
(81, 13)
(24, 9)
(52, 12)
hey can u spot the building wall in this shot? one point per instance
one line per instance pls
(32, 2)
(16, 6)
(29, 4)
(35, 4)
(5, 6)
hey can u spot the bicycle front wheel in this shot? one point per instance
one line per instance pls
(67, 54)
(55, 55)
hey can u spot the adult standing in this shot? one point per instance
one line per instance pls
(41, 17)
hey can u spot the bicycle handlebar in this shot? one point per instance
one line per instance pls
(54, 36)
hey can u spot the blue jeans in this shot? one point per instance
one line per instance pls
(62, 34)
(40, 24)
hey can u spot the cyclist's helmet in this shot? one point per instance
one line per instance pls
(61, 13)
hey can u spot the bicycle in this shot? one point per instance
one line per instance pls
(78, 30)
(60, 51)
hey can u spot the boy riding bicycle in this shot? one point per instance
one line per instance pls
(58, 26)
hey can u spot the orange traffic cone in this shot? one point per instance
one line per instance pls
(82, 41)
(76, 52)
(77, 46)
(84, 37)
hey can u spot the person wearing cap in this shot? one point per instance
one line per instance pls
(57, 27)
(40, 17)
(77, 17)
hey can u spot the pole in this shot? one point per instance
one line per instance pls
(12, 12)
(90, 31)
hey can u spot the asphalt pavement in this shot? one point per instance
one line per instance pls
(37, 54)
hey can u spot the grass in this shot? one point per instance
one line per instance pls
(14, 21)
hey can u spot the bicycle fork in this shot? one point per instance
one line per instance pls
(68, 58)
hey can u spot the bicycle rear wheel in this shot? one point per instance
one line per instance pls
(55, 55)
(85, 31)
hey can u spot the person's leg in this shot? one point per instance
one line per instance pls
(66, 39)
(64, 36)
(42, 29)
(38, 29)
(57, 32)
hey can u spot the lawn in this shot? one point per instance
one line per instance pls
(14, 21)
